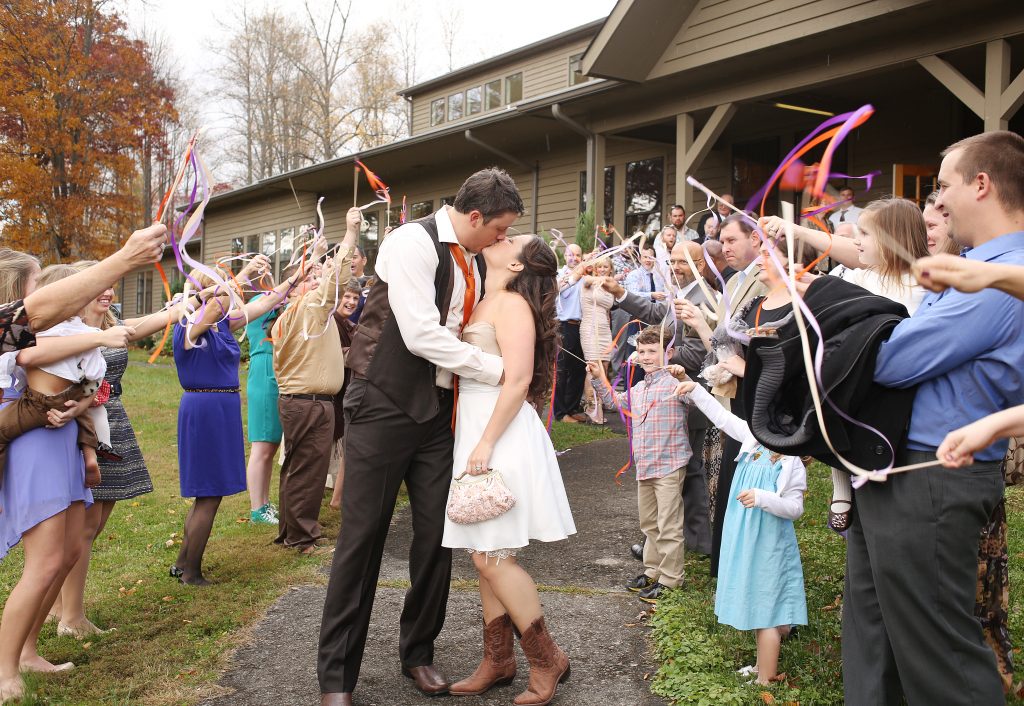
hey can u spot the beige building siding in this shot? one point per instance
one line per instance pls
(720, 29)
(128, 295)
(256, 217)
(542, 73)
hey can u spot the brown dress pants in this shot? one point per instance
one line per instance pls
(28, 412)
(383, 449)
(308, 434)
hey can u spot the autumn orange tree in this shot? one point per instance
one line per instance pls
(79, 103)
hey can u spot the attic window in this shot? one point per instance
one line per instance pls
(436, 111)
(492, 94)
(576, 75)
(474, 100)
(456, 103)
(514, 88)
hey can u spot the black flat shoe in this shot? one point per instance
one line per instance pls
(175, 572)
(640, 583)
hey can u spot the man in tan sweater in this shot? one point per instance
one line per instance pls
(310, 370)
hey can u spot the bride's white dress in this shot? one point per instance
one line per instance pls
(525, 458)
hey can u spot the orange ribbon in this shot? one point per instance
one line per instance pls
(468, 300)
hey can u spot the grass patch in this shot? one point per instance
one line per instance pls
(170, 639)
(698, 657)
(566, 436)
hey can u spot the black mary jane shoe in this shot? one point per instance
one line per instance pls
(175, 572)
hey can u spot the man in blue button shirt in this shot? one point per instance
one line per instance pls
(908, 622)
(571, 371)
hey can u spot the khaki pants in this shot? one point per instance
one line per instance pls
(660, 502)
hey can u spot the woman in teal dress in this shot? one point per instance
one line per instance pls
(264, 422)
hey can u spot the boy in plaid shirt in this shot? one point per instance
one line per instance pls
(661, 450)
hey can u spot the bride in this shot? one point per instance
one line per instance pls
(496, 428)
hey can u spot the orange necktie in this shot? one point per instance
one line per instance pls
(468, 300)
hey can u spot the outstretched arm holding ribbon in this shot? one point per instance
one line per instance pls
(940, 272)
(959, 446)
(61, 300)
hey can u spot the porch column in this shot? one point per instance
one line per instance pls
(691, 150)
(1001, 98)
(595, 177)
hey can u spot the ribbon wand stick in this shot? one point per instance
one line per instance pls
(355, 185)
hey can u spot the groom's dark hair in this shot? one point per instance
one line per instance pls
(490, 191)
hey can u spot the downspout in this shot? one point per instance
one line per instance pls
(556, 110)
(535, 168)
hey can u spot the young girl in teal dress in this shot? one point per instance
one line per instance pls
(760, 579)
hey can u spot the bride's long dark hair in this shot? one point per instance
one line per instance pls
(536, 284)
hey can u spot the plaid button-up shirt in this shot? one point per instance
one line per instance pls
(661, 439)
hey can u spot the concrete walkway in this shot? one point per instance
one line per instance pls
(589, 613)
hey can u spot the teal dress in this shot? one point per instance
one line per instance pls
(760, 579)
(261, 386)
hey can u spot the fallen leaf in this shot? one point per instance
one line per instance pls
(241, 520)
(767, 698)
(136, 503)
(169, 543)
(86, 645)
(836, 604)
(168, 598)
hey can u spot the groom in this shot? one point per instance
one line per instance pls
(398, 425)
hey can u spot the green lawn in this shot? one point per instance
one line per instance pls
(699, 657)
(171, 640)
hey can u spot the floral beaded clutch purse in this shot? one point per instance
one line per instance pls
(479, 498)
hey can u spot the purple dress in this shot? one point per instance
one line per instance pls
(211, 447)
(45, 473)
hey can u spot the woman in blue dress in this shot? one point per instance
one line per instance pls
(206, 355)
(760, 578)
(263, 420)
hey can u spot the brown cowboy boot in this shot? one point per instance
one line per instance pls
(498, 666)
(549, 666)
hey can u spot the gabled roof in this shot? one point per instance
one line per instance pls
(496, 61)
(615, 52)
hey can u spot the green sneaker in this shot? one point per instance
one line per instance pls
(263, 516)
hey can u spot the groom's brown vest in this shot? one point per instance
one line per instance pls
(379, 353)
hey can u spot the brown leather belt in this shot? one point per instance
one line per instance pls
(313, 398)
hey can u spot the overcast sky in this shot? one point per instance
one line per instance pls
(488, 27)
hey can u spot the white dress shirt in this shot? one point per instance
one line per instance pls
(848, 215)
(407, 261)
(907, 291)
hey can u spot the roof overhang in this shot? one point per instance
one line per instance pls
(615, 52)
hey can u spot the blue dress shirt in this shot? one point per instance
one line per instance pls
(966, 351)
(567, 306)
(639, 282)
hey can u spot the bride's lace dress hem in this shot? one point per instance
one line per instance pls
(498, 554)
